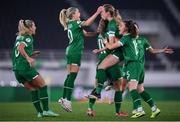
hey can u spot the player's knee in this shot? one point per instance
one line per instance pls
(123, 84)
(30, 88)
(140, 88)
(101, 66)
(39, 82)
(74, 68)
(132, 85)
(117, 86)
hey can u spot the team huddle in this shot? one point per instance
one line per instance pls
(118, 41)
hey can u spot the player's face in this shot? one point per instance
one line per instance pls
(33, 29)
(122, 28)
(104, 14)
(77, 14)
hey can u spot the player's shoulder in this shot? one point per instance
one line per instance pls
(19, 38)
(28, 38)
(142, 37)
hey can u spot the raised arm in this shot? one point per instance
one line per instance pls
(89, 34)
(91, 19)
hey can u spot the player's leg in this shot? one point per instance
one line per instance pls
(40, 83)
(73, 63)
(74, 69)
(91, 100)
(133, 78)
(114, 75)
(90, 111)
(118, 99)
(34, 93)
(35, 97)
(147, 98)
(109, 61)
(65, 82)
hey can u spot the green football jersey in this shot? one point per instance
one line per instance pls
(130, 48)
(101, 45)
(19, 62)
(76, 38)
(143, 45)
(112, 28)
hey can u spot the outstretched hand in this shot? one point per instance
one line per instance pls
(35, 54)
(100, 9)
(95, 51)
(168, 50)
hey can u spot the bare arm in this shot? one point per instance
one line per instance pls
(164, 50)
(89, 34)
(112, 46)
(109, 46)
(35, 54)
(25, 55)
(90, 20)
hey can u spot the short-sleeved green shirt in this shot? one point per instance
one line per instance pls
(130, 48)
(112, 28)
(76, 38)
(19, 62)
(143, 45)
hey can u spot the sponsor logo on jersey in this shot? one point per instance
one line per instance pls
(28, 40)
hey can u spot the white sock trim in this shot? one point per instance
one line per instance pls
(35, 77)
(35, 101)
(67, 87)
(43, 98)
(149, 100)
(136, 100)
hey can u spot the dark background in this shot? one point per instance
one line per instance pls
(50, 34)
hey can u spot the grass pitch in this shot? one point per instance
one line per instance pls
(170, 111)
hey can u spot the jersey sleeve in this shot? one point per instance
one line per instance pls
(123, 41)
(79, 22)
(27, 41)
(146, 44)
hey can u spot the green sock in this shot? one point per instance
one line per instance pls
(147, 98)
(35, 101)
(91, 103)
(44, 98)
(101, 78)
(136, 98)
(70, 85)
(118, 100)
(65, 84)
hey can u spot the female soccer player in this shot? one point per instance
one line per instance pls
(144, 45)
(134, 56)
(23, 67)
(112, 17)
(70, 20)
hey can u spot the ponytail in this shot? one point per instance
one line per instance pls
(23, 26)
(117, 17)
(102, 27)
(63, 18)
